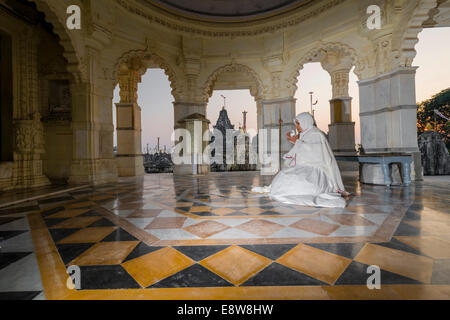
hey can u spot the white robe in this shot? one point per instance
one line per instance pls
(312, 177)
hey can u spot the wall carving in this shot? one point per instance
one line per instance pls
(257, 91)
(76, 65)
(206, 31)
(145, 55)
(319, 54)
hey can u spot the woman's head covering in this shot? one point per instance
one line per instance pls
(305, 120)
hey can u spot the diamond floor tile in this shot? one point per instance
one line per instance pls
(315, 226)
(206, 229)
(88, 235)
(157, 265)
(412, 266)
(235, 264)
(260, 227)
(321, 265)
(105, 253)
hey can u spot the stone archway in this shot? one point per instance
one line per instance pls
(337, 59)
(255, 86)
(127, 73)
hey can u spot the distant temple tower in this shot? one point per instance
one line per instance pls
(223, 124)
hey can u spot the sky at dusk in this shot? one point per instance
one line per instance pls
(156, 100)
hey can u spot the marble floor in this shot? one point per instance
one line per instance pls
(209, 237)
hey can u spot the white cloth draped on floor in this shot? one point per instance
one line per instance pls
(311, 176)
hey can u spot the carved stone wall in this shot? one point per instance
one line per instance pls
(268, 53)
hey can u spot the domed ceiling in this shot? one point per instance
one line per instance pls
(227, 10)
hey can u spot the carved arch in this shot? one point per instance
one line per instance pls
(75, 64)
(146, 54)
(256, 91)
(317, 54)
(408, 36)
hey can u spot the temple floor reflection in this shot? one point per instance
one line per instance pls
(211, 236)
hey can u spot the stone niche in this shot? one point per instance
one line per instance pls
(58, 131)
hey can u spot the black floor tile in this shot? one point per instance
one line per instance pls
(119, 235)
(90, 213)
(5, 235)
(8, 220)
(204, 214)
(411, 215)
(68, 252)
(270, 213)
(19, 210)
(140, 250)
(347, 250)
(6, 258)
(53, 222)
(18, 295)
(59, 234)
(198, 253)
(106, 277)
(441, 272)
(356, 274)
(49, 212)
(271, 251)
(405, 229)
(236, 214)
(398, 245)
(55, 199)
(279, 275)
(102, 223)
(195, 276)
(77, 193)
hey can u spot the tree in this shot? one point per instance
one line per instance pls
(426, 115)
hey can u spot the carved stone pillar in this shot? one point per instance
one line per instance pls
(130, 161)
(388, 114)
(272, 141)
(342, 129)
(29, 147)
(28, 129)
(93, 160)
(192, 138)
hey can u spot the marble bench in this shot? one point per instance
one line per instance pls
(385, 160)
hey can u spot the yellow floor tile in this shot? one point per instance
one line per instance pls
(200, 209)
(77, 222)
(235, 264)
(316, 263)
(406, 264)
(67, 214)
(223, 211)
(430, 226)
(157, 265)
(431, 246)
(105, 253)
(79, 205)
(88, 235)
(253, 210)
(361, 293)
(423, 292)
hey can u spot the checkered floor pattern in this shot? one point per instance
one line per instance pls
(116, 235)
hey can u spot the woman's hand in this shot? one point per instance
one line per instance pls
(292, 139)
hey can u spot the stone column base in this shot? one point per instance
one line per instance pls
(96, 172)
(373, 174)
(341, 137)
(130, 166)
(188, 169)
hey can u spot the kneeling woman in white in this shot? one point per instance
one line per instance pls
(312, 177)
